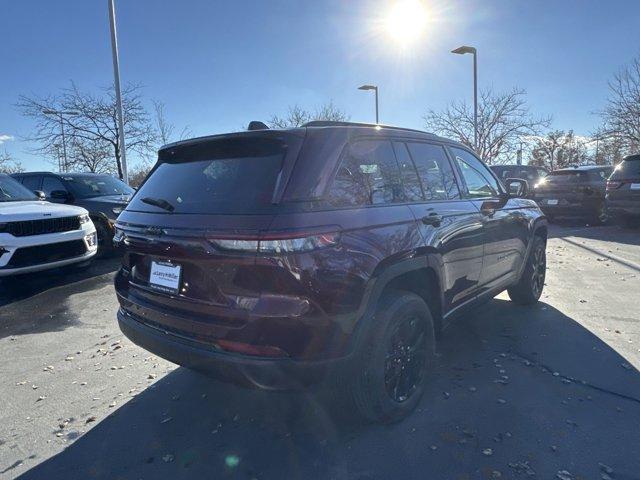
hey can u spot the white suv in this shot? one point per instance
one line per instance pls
(37, 235)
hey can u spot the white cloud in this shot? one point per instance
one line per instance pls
(5, 138)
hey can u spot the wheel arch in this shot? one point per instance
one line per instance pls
(420, 275)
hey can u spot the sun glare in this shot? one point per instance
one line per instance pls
(406, 21)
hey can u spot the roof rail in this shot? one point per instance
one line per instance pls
(331, 123)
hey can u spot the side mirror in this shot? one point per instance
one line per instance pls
(59, 195)
(516, 187)
(40, 194)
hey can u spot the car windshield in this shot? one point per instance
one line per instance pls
(12, 191)
(89, 186)
(224, 176)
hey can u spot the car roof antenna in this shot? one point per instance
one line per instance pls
(257, 125)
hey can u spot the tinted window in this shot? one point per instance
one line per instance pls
(87, 186)
(434, 170)
(480, 182)
(368, 175)
(31, 182)
(225, 176)
(49, 184)
(627, 169)
(567, 176)
(412, 185)
(12, 191)
(601, 174)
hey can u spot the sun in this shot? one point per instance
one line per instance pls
(406, 20)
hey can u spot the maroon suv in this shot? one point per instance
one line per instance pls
(332, 253)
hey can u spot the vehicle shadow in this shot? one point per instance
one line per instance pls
(611, 232)
(20, 287)
(517, 392)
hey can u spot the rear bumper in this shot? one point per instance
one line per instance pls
(272, 374)
(629, 208)
(570, 208)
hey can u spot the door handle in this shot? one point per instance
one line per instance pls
(432, 219)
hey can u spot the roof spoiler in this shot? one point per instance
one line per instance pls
(257, 125)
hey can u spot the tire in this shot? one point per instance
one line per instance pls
(104, 239)
(387, 378)
(601, 215)
(529, 288)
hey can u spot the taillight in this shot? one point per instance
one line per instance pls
(613, 184)
(279, 242)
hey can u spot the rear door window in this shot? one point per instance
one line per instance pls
(368, 175)
(434, 170)
(224, 176)
(410, 180)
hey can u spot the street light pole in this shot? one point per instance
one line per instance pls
(375, 89)
(60, 114)
(461, 51)
(116, 80)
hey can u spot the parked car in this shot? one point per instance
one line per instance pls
(36, 235)
(530, 173)
(574, 192)
(332, 254)
(104, 196)
(623, 191)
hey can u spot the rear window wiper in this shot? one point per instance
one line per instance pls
(158, 202)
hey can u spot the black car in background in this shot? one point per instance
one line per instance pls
(574, 192)
(623, 191)
(530, 173)
(104, 196)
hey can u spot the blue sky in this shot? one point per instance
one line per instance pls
(216, 65)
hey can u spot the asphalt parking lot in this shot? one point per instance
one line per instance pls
(550, 391)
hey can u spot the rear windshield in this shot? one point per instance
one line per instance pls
(223, 176)
(627, 169)
(567, 176)
(531, 174)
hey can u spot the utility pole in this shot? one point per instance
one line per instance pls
(116, 81)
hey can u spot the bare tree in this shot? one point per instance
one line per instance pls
(8, 164)
(164, 128)
(559, 149)
(503, 119)
(621, 115)
(139, 172)
(96, 120)
(91, 156)
(298, 116)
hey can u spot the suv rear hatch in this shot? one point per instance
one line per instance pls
(191, 231)
(566, 187)
(624, 183)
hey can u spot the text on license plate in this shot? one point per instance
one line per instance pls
(165, 276)
(552, 202)
(635, 186)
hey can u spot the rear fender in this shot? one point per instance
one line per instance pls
(384, 276)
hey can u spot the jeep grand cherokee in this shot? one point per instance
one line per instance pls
(332, 253)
